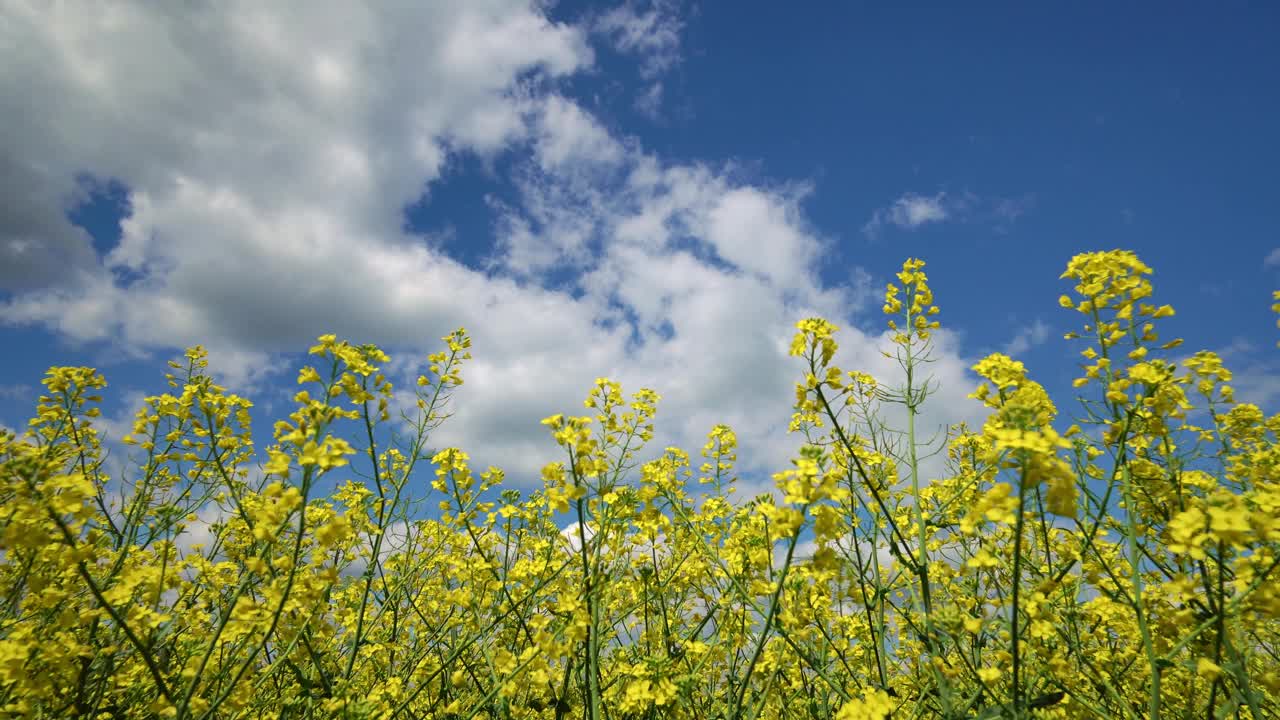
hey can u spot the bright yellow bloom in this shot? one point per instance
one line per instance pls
(873, 705)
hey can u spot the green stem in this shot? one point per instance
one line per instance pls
(1017, 583)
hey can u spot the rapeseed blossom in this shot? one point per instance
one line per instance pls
(1124, 567)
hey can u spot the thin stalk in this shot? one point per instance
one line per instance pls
(1015, 650)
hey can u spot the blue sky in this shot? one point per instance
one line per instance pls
(649, 191)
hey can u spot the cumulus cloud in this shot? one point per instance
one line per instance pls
(568, 136)
(1026, 338)
(37, 245)
(268, 152)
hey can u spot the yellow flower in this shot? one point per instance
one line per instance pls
(982, 559)
(278, 465)
(308, 374)
(333, 532)
(1208, 669)
(1229, 524)
(524, 604)
(996, 505)
(814, 332)
(1187, 533)
(873, 705)
(1002, 370)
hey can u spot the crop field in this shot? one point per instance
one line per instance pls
(1112, 560)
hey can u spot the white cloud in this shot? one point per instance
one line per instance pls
(652, 33)
(1004, 212)
(568, 135)
(1255, 377)
(761, 233)
(910, 212)
(1272, 259)
(649, 102)
(1026, 338)
(913, 211)
(275, 113)
(269, 153)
